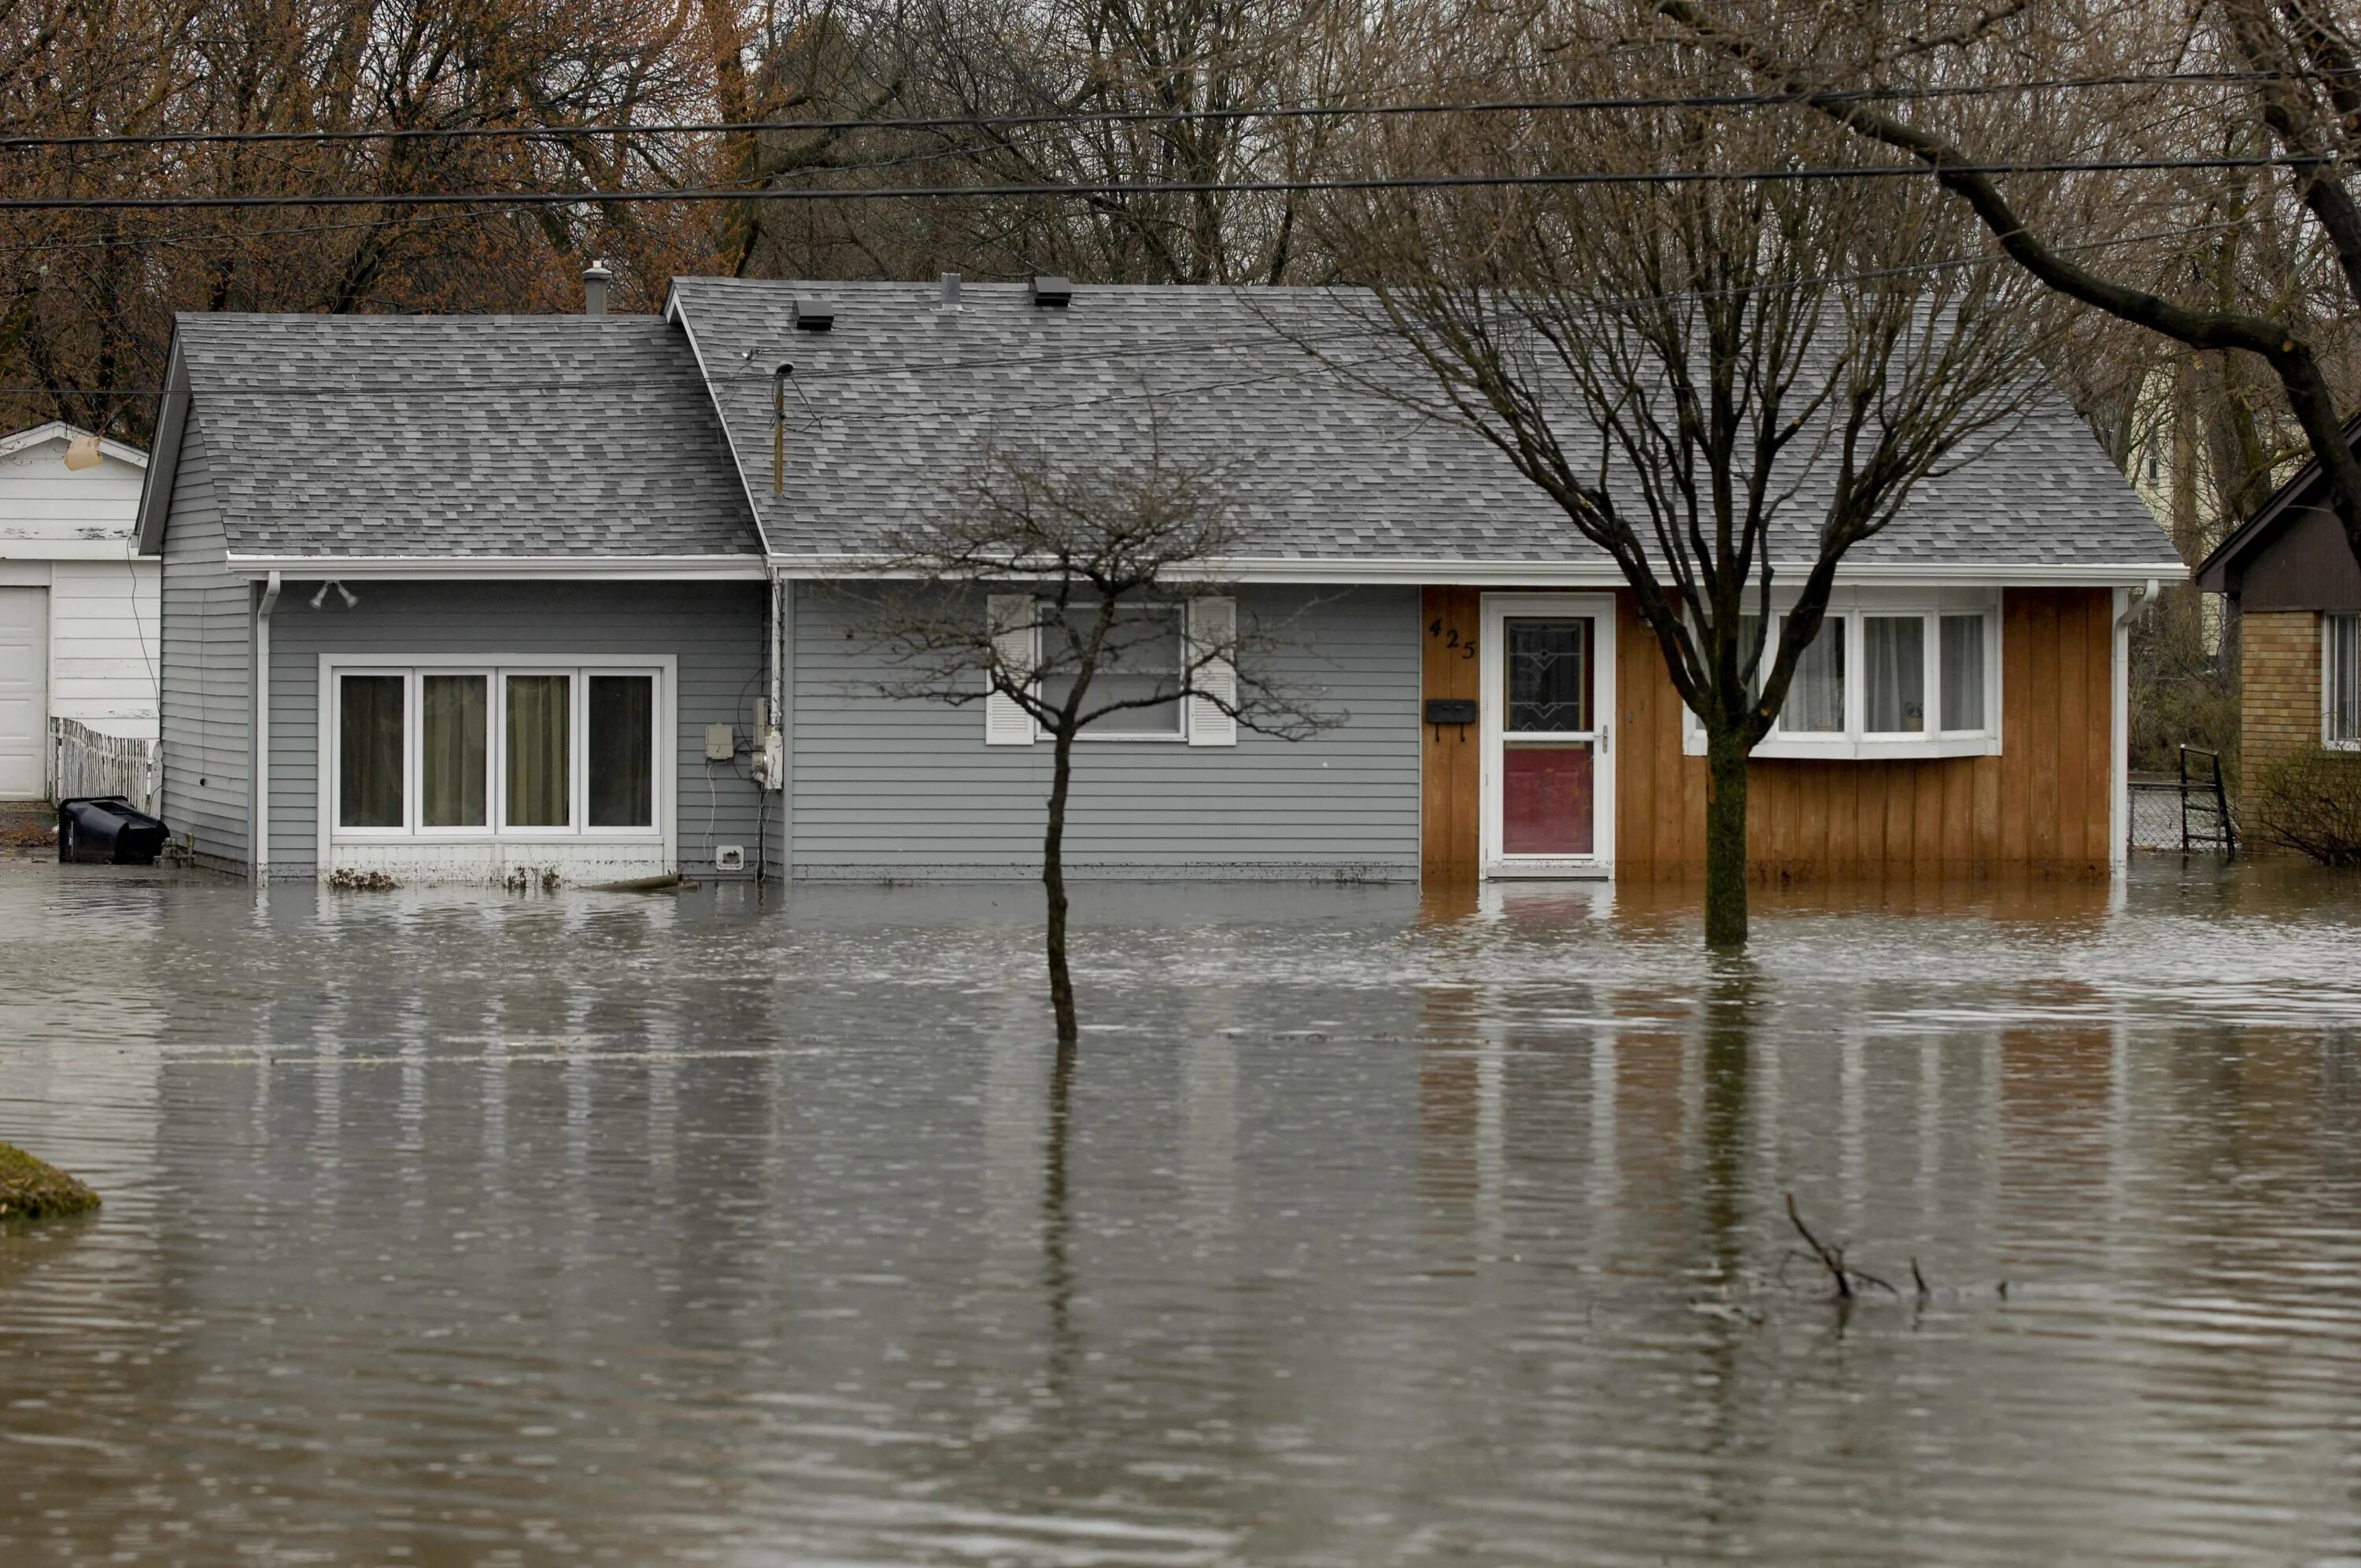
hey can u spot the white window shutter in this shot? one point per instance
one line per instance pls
(1005, 722)
(1212, 623)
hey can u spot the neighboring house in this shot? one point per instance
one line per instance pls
(2291, 574)
(522, 508)
(77, 635)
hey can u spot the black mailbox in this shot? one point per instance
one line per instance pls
(1450, 710)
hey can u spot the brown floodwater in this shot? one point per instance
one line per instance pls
(447, 1226)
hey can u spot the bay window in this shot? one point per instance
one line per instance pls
(1892, 672)
(449, 752)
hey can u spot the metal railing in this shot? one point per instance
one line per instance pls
(90, 763)
(2188, 812)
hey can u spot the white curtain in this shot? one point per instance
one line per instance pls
(1894, 650)
(1963, 672)
(1815, 698)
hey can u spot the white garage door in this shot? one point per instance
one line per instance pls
(24, 693)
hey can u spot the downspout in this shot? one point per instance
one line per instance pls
(259, 782)
(2129, 603)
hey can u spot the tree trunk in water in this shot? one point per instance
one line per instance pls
(1053, 883)
(1725, 841)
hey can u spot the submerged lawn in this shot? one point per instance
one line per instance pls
(444, 1225)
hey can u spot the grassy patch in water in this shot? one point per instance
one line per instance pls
(35, 1189)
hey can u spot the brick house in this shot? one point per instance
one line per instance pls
(2296, 586)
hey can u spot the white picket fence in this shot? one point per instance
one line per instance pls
(91, 764)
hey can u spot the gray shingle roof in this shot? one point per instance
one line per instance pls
(461, 435)
(897, 401)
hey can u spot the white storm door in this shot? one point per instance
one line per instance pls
(1549, 774)
(24, 693)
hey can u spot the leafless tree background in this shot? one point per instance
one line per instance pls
(987, 93)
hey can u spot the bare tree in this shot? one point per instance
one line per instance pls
(2292, 94)
(1074, 597)
(1718, 381)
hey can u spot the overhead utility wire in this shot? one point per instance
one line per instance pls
(1158, 116)
(1145, 188)
(1158, 351)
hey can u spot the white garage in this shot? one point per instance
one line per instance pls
(78, 621)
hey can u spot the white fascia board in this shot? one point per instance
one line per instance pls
(59, 430)
(509, 568)
(1591, 574)
(35, 549)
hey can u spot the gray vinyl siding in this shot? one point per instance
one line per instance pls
(885, 788)
(207, 671)
(714, 631)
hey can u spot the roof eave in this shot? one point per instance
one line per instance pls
(1376, 570)
(164, 462)
(503, 568)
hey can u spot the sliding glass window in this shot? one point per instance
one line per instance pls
(455, 727)
(369, 757)
(622, 750)
(460, 752)
(540, 725)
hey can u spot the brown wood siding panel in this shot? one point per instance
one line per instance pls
(1927, 779)
(2045, 803)
(2073, 719)
(1450, 826)
(2017, 730)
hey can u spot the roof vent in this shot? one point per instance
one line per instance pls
(1052, 292)
(814, 315)
(595, 278)
(950, 300)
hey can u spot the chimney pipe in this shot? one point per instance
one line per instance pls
(595, 278)
(950, 291)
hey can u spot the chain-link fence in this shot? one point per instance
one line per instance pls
(2166, 815)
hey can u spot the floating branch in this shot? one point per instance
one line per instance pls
(1833, 1260)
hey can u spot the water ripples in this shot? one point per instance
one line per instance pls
(454, 1227)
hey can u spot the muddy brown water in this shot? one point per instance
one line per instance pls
(457, 1227)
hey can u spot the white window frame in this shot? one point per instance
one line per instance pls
(496, 667)
(1200, 723)
(1496, 610)
(1856, 741)
(2328, 621)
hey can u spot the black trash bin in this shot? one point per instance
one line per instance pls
(108, 831)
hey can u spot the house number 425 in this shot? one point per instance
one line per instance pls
(1449, 637)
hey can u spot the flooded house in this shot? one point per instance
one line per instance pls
(492, 597)
(77, 606)
(2296, 587)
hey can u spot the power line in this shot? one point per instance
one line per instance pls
(1161, 351)
(1565, 178)
(1162, 116)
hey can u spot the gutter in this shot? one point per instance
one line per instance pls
(1587, 574)
(551, 568)
(260, 783)
(2136, 599)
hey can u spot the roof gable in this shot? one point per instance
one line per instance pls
(376, 437)
(49, 511)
